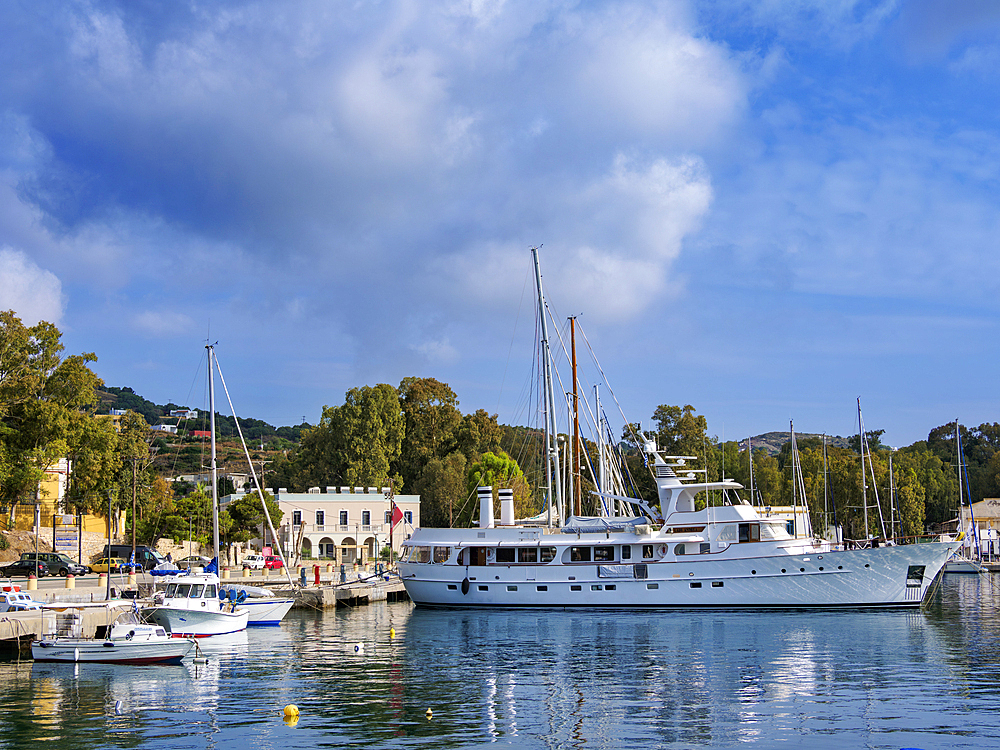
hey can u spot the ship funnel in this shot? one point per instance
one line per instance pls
(485, 507)
(507, 507)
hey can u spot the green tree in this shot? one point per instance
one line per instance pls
(248, 519)
(442, 490)
(430, 408)
(680, 431)
(500, 471)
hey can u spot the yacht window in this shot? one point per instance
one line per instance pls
(695, 584)
(527, 555)
(182, 590)
(749, 532)
(197, 590)
(505, 554)
(546, 554)
(647, 552)
(210, 592)
(626, 552)
(171, 588)
(579, 554)
(441, 554)
(423, 554)
(728, 533)
(790, 527)
(679, 549)
(704, 548)
(604, 554)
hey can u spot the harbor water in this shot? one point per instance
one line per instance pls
(705, 679)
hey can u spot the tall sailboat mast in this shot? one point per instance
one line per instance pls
(864, 479)
(577, 500)
(549, 407)
(214, 466)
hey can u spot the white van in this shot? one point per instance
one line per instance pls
(254, 562)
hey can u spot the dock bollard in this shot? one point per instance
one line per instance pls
(32, 583)
(343, 573)
(329, 568)
(102, 580)
(316, 573)
(264, 571)
(70, 581)
(131, 577)
(302, 575)
(225, 573)
(246, 572)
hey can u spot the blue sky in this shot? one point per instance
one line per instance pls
(763, 209)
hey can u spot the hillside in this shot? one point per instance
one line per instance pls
(771, 442)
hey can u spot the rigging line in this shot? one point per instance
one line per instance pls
(253, 472)
(621, 411)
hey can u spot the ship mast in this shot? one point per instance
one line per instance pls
(548, 407)
(577, 503)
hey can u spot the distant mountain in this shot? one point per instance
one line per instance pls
(772, 441)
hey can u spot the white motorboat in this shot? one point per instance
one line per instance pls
(129, 641)
(264, 606)
(12, 599)
(189, 605)
(723, 555)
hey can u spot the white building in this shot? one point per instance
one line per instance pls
(184, 413)
(340, 524)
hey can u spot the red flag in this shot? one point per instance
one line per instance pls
(397, 515)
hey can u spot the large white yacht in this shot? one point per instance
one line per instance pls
(700, 546)
(719, 556)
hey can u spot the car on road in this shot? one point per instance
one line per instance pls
(193, 561)
(273, 562)
(24, 568)
(254, 562)
(115, 564)
(57, 563)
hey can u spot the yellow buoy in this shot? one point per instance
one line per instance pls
(430, 714)
(392, 632)
(291, 710)
(291, 720)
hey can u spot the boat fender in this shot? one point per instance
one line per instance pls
(465, 585)
(241, 597)
(108, 644)
(662, 550)
(131, 633)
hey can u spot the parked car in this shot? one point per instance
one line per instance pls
(193, 561)
(273, 562)
(57, 563)
(254, 562)
(24, 568)
(115, 564)
(145, 558)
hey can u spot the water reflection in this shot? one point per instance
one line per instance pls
(545, 679)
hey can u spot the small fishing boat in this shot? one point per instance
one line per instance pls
(264, 606)
(128, 641)
(191, 605)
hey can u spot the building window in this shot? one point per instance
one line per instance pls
(366, 518)
(626, 552)
(408, 516)
(320, 518)
(296, 518)
(388, 516)
(343, 518)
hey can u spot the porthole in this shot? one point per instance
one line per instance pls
(695, 584)
(575, 588)
(611, 587)
(821, 567)
(452, 587)
(867, 565)
(840, 567)
(717, 584)
(512, 588)
(652, 585)
(484, 588)
(690, 574)
(782, 570)
(753, 572)
(541, 588)
(802, 570)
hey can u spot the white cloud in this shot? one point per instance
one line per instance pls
(162, 323)
(32, 292)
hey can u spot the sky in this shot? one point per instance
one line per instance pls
(766, 209)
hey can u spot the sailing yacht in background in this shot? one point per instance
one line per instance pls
(680, 552)
(967, 557)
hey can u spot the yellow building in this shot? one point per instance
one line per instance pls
(50, 508)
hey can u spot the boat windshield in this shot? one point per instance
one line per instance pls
(196, 591)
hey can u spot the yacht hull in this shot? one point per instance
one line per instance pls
(194, 623)
(890, 576)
